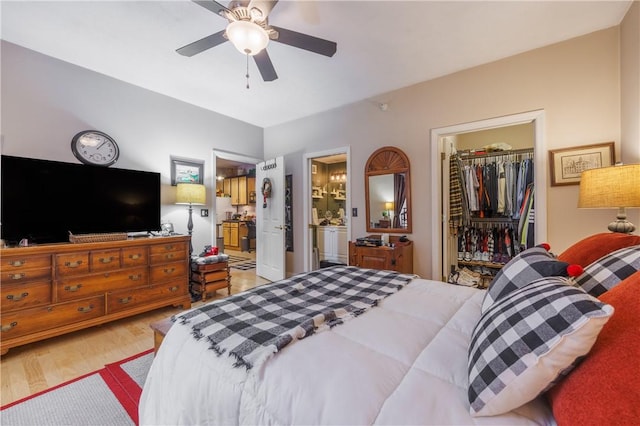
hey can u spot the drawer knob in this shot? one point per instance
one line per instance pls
(169, 247)
(85, 309)
(169, 256)
(17, 298)
(17, 276)
(135, 256)
(17, 263)
(169, 270)
(73, 287)
(73, 264)
(8, 327)
(106, 260)
(125, 300)
(135, 277)
(173, 289)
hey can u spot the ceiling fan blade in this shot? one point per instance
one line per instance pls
(262, 7)
(305, 41)
(213, 6)
(263, 61)
(203, 44)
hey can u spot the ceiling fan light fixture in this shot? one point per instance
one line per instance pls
(248, 37)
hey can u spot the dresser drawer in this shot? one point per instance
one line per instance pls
(171, 256)
(104, 260)
(209, 277)
(25, 275)
(26, 321)
(136, 256)
(123, 300)
(17, 296)
(18, 263)
(168, 271)
(168, 247)
(86, 285)
(72, 263)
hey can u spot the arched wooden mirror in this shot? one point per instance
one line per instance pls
(387, 185)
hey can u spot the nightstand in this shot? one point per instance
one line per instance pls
(210, 277)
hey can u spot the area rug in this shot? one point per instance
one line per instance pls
(105, 397)
(236, 259)
(244, 266)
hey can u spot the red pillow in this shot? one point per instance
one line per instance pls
(605, 387)
(590, 249)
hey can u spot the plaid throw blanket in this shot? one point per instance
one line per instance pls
(252, 325)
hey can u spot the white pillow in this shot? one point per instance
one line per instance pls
(525, 340)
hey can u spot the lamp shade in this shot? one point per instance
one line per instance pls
(249, 38)
(610, 187)
(191, 193)
(388, 205)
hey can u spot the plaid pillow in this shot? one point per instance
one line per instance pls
(526, 340)
(528, 266)
(606, 272)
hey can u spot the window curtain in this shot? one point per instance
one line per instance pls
(399, 198)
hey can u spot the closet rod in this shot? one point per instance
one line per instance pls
(496, 153)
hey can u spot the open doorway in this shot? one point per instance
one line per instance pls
(235, 207)
(327, 207)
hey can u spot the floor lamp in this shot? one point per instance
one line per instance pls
(192, 194)
(612, 187)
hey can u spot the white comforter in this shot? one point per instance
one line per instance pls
(403, 362)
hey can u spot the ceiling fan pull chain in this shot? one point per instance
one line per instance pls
(247, 75)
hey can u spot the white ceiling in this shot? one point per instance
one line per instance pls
(382, 46)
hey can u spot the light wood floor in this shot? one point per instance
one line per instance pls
(31, 368)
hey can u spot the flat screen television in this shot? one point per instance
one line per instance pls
(44, 200)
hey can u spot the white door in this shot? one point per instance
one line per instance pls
(270, 246)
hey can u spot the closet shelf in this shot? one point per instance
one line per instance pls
(481, 263)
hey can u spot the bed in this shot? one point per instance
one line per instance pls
(405, 360)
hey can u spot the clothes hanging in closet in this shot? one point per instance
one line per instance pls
(498, 186)
(493, 188)
(495, 244)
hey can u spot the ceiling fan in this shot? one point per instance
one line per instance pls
(250, 32)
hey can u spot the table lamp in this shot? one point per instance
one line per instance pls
(388, 206)
(612, 187)
(192, 194)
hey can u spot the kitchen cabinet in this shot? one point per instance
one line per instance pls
(251, 189)
(232, 233)
(239, 187)
(227, 187)
(332, 243)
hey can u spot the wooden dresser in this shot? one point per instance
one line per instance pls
(397, 258)
(55, 289)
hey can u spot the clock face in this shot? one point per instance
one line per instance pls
(93, 147)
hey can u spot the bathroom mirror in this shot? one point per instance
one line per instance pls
(388, 191)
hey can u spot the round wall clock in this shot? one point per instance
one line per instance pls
(96, 148)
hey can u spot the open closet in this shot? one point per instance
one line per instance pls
(490, 195)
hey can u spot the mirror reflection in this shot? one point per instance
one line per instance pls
(388, 195)
(387, 201)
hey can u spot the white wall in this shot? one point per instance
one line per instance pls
(630, 85)
(45, 102)
(576, 82)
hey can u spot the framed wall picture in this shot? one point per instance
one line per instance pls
(567, 164)
(186, 171)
